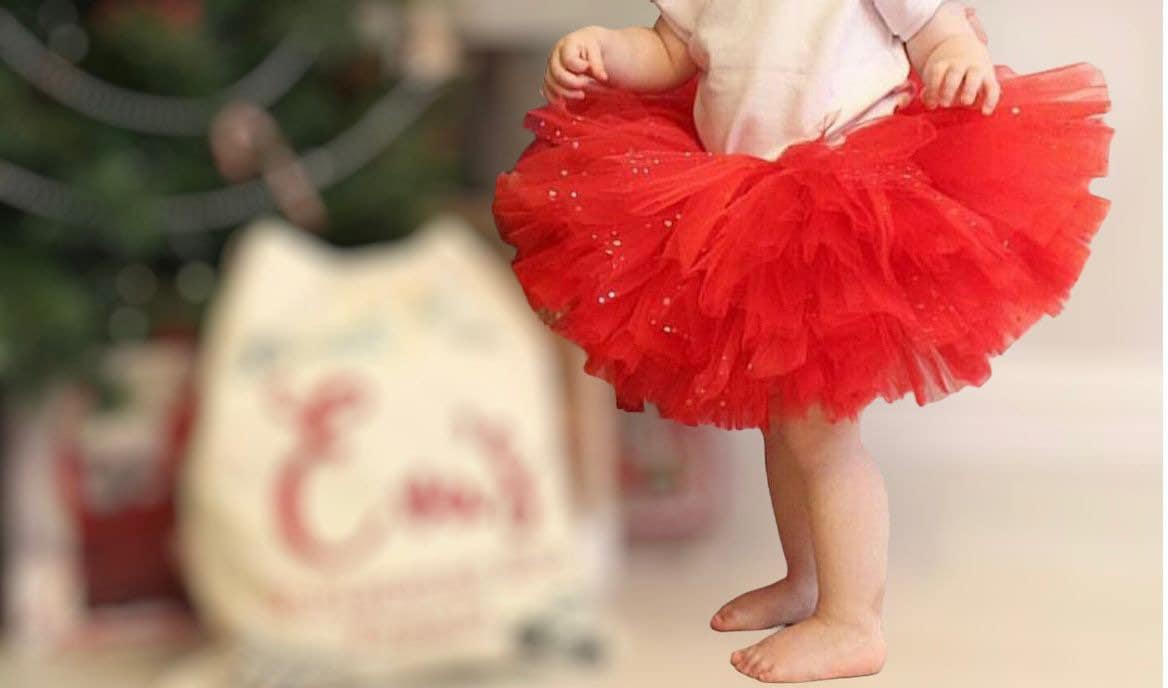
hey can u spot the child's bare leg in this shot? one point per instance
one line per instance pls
(849, 528)
(792, 598)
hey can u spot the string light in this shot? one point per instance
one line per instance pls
(327, 165)
(141, 112)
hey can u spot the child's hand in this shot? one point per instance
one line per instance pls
(576, 62)
(959, 71)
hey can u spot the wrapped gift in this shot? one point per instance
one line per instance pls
(90, 525)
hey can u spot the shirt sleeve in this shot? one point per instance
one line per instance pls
(681, 15)
(906, 17)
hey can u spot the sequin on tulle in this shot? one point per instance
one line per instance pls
(728, 290)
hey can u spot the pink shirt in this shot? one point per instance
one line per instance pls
(778, 72)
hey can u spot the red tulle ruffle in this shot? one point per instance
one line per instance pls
(726, 289)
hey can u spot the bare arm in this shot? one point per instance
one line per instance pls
(643, 59)
(950, 55)
(635, 58)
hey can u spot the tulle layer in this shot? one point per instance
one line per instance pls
(728, 289)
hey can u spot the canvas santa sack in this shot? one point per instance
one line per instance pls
(377, 476)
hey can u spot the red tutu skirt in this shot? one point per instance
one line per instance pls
(728, 289)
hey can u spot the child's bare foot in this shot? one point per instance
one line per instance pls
(814, 650)
(784, 602)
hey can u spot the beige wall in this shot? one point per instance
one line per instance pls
(1115, 309)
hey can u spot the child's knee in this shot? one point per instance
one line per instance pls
(813, 440)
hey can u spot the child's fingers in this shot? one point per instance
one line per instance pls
(572, 92)
(584, 58)
(554, 91)
(563, 76)
(550, 91)
(932, 77)
(573, 55)
(592, 53)
(949, 86)
(993, 95)
(972, 86)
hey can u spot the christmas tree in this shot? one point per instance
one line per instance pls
(137, 133)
